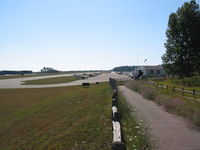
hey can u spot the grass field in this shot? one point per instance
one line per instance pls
(55, 80)
(63, 118)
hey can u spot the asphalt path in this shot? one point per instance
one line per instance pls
(170, 131)
(17, 82)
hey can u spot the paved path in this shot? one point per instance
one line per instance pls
(171, 132)
(16, 83)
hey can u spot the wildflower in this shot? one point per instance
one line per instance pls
(137, 127)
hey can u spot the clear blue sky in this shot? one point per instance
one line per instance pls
(82, 34)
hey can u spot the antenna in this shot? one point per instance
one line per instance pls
(137, 58)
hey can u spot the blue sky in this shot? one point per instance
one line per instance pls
(82, 34)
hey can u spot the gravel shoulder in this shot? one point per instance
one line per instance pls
(169, 131)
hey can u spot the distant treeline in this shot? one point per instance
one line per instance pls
(48, 70)
(4, 72)
(124, 68)
(52, 70)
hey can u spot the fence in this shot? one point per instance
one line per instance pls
(182, 90)
(113, 83)
(117, 143)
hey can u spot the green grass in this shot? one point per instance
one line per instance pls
(55, 80)
(135, 133)
(173, 102)
(61, 118)
(186, 83)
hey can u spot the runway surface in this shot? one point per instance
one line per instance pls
(16, 83)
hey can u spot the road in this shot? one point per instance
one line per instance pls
(170, 131)
(16, 83)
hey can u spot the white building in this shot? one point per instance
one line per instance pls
(149, 71)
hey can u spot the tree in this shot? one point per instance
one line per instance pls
(124, 68)
(182, 55)
(48, 70)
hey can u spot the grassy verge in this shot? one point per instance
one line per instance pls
(55, 80)
(186, 83)
(135, 133)
(56, 118)
(173, 102)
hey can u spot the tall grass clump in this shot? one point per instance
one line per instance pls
(171, 104)
(137, 86)
(134, 85)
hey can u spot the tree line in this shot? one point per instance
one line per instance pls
(124, 68)
(48, 70)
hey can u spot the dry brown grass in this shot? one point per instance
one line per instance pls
(148, 93)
